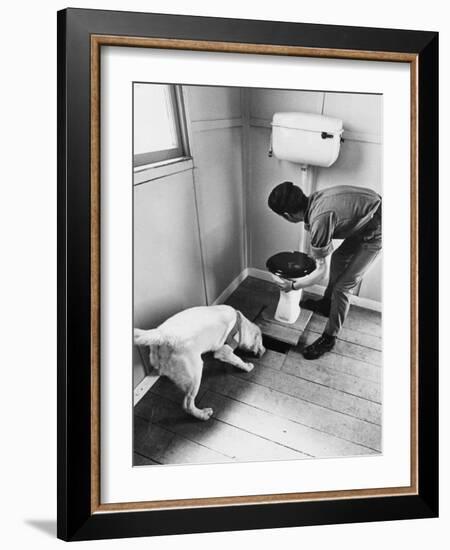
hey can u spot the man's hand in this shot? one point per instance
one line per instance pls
(316, 276)
(284, 284)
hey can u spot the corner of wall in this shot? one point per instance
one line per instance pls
(246, 167)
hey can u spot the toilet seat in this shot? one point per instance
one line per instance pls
(290, 265)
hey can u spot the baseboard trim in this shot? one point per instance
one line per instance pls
(359, 301)
(142, 388)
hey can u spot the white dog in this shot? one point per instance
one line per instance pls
(177, 345)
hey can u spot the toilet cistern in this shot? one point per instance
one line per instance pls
(291, 266)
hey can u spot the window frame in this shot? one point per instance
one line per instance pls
(164, 156)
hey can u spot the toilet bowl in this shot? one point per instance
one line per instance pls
(292, 266)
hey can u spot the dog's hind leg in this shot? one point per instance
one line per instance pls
(190, 407)
(191, 387)
(226, 354)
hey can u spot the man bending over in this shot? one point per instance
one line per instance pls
(341, 212)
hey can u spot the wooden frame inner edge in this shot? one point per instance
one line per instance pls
(102, 40)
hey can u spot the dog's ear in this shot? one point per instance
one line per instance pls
(256, 333)
(243, 317)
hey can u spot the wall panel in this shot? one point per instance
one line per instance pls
(167, 261)
(213, 102)
(359, 163)
(218, 176)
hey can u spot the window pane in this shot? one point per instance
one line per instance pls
(155, 127)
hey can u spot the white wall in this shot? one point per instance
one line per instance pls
(28, 228)
(216, 142)
(186, 224)
(359, 163)
(167, 259)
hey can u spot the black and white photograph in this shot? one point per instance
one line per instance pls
(257, 274)
(224, 263)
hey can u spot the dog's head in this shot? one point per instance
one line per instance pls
(251, 337)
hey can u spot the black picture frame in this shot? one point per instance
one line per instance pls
(76, 519)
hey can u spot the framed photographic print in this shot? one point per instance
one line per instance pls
(247, 277)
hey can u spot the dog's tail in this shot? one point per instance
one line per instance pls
(146, 337)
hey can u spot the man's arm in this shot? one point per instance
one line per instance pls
(316, 276)
(321, 229)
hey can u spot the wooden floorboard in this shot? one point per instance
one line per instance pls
(359, 319)
(279, 429)
(140, 460)
(355, 351)
(343, 364)
(166, 388)
(167, 447)
(250, 306)
(355, 312)
(332, 378)
(318, 323)
(307, 413)
(213, 434)
(253, 284)
(365, 315)
(252, 296)
(272, 359)
(150, 442)
(313, 392)
(286, 408)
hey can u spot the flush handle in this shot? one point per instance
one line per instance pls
(326, 135)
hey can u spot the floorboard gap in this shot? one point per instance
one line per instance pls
(275, 345)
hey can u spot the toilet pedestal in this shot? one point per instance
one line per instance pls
(292, 266)
(288, 308)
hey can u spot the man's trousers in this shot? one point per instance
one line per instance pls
(348, 265)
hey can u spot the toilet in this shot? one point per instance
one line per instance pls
(292, 266)
(306, 139)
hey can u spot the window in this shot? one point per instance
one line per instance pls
(158, 124)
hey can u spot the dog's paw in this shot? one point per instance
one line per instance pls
(249, 367)
(206, 413)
